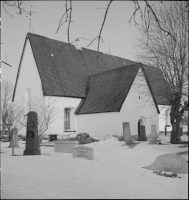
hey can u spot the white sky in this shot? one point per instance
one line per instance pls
(118, 34)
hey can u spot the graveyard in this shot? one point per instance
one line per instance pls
(113, 169)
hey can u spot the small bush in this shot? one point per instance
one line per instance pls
(82, 138)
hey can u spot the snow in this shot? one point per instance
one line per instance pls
(115, 172)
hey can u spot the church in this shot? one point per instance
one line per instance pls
(96, 92)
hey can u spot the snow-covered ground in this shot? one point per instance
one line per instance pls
(116, 172)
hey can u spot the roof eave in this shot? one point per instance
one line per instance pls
(151, 91)
(18, 73)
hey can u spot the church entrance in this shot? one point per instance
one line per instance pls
(141, 131)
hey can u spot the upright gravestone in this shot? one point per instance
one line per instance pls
(32, 140)
(153, 136)
(14, 138)
(126, 132)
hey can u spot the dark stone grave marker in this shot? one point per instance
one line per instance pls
(32, 140)
(170, 163)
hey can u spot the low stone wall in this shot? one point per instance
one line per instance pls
(64, 146)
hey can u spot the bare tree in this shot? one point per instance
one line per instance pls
(47, 111)
(168, 54)
(11, 113)
(6, 96)
(147, 14)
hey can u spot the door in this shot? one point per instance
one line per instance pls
(142, 133)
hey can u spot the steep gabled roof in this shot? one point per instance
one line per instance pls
(64, 70)
(157, 84)
(108, 90)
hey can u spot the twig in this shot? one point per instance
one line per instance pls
(157, 20)
(70, 15)
(99, 36)
(6, 63)
(66, 13)
(18, 6)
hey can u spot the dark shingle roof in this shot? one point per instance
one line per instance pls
(64, 70)
(108, 90)
(67, 71)
(157, 84)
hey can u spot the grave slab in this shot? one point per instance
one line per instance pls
(64, 146)
(83, 152)
(170, 163)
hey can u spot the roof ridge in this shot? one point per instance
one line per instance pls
(108, 54)
(82, 47)
(48, 38)
(119, 68)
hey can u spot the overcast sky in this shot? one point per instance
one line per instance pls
(119, 35)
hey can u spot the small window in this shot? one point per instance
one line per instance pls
(67, 112)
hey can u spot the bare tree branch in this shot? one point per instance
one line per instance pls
(99, 36)
(70, 19)
(168, 54)
(66, 20)
(15, 4)
(6, 63)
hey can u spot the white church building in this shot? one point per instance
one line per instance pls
(97, 92)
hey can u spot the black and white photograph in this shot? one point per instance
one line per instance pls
(94, 99)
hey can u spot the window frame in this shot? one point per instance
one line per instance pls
(67, 119)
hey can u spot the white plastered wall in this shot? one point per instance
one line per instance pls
(164, 117)
(28, 79)
(61, 103)
(133, 109)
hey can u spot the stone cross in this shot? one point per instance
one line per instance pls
(32, 140)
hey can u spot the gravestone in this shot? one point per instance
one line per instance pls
(153, 136)
(83, 152)
(126, 132)
(142, 136)
(32, 140)
(170, 163)
(14, 140)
